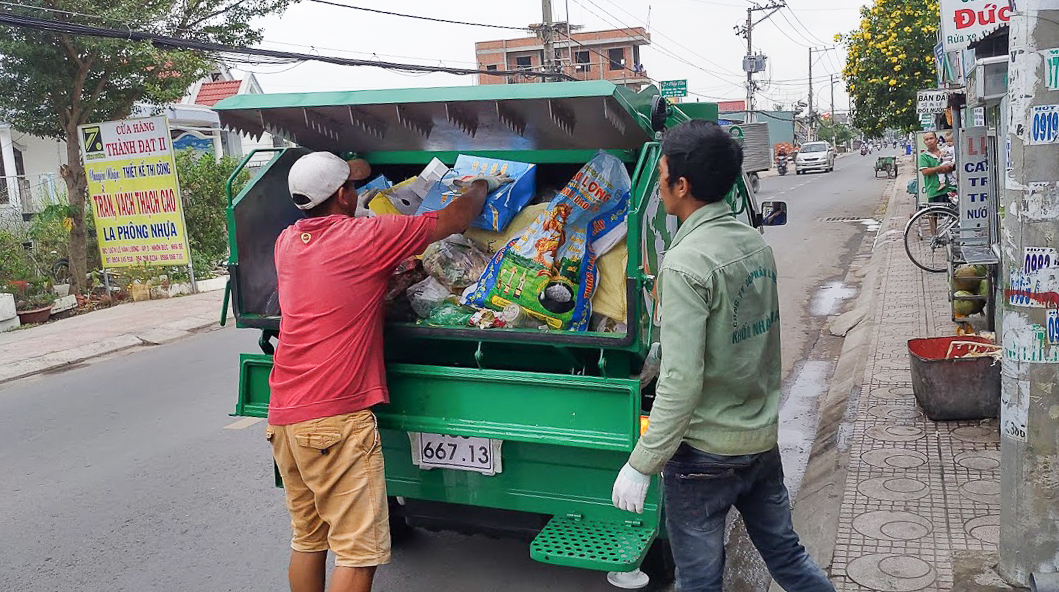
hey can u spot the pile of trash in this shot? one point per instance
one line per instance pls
(549, 260)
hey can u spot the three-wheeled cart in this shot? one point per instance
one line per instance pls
(888, 165)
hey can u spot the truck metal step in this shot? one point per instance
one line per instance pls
(592, 544)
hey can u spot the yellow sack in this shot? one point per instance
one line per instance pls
(609, 299)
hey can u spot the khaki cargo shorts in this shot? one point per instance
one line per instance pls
(333, 479)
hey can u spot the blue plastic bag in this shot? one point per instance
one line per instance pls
(549, 269)
(502, 204)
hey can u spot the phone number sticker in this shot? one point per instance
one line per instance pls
(1045, 128)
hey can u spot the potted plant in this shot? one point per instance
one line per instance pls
(34, 303)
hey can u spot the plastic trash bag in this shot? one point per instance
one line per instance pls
(549, 269)
(455, 261)
(426, 296)
(450, 314)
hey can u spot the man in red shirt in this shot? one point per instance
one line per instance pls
(328, 371)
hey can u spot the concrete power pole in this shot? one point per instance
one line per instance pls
(809, 127)
(1029, 473)
(832, 99)
(748, 32)
(749, 73)
(546, 37)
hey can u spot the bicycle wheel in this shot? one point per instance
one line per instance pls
(927, 237)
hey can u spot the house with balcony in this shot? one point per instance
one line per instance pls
(613, 55)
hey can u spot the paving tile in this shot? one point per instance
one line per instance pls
(917, 490)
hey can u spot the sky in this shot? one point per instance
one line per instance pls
(691, 39)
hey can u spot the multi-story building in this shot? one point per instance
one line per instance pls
(612, 55)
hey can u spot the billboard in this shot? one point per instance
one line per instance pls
(965, 21)
(133, 190)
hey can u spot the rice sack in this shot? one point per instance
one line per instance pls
(549, 269)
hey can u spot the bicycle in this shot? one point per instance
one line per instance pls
(929, 231)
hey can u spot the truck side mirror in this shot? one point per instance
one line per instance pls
(659, 113)
(773, 213)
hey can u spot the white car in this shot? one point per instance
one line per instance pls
(814, 156)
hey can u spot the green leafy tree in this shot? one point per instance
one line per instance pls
(203, 188)
(888, 59)
(836, 133)
(50, 83)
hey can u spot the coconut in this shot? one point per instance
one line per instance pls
(983, 288)
(964, 307)
(980, 270)
(965, 278)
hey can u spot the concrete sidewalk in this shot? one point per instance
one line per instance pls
(895, 501)
(32, 350)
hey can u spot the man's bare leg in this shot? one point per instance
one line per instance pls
(352, 579)
(307, 571)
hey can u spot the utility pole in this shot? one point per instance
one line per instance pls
(809, 127)
(748, 32)
(1029, 444)
(832, 99)
(812, 120)
(749, 71)
(546, 37)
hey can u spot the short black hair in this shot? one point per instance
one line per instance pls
(323, 208)
(703, 153)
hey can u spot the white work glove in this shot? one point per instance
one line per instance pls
(630, 489)
(363, 211)
(492, 181)
(652, 364)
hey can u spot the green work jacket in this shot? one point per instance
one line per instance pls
(719, 384)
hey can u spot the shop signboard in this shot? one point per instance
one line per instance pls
(974, 181)
(674, 88)
(932, 101)
(133, 189)
(965, 21)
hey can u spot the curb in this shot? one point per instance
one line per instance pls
(59, 360)
(816, 511)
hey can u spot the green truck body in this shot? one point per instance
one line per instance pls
(562, 410)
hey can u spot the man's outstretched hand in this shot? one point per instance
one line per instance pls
(492, 181)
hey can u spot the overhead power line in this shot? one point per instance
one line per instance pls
(166, 42)
(416, 16)
(811, 35)
(677, 43)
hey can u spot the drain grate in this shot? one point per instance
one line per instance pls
(591, 544)
(845, 219)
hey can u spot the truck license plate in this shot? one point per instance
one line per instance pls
(464, 453)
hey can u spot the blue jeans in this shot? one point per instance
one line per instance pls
(700, 488)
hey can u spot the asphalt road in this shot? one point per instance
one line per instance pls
(120, 475)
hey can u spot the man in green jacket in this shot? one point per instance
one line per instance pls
(714, 422)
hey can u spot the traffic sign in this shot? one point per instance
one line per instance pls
(674, 88)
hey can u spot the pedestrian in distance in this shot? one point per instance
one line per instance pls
(333, 269)
(713, 426)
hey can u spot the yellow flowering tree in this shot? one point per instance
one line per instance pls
(888, 58)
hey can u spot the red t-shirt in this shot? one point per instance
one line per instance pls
(333, 273)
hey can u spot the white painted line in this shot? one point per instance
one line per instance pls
(244, 423)
(799, 419)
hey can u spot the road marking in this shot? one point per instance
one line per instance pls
(244, 423)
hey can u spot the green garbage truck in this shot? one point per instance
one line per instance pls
(541, 420)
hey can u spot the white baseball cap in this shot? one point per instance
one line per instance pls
(316, 177)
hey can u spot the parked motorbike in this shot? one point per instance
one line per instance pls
(781, 164)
